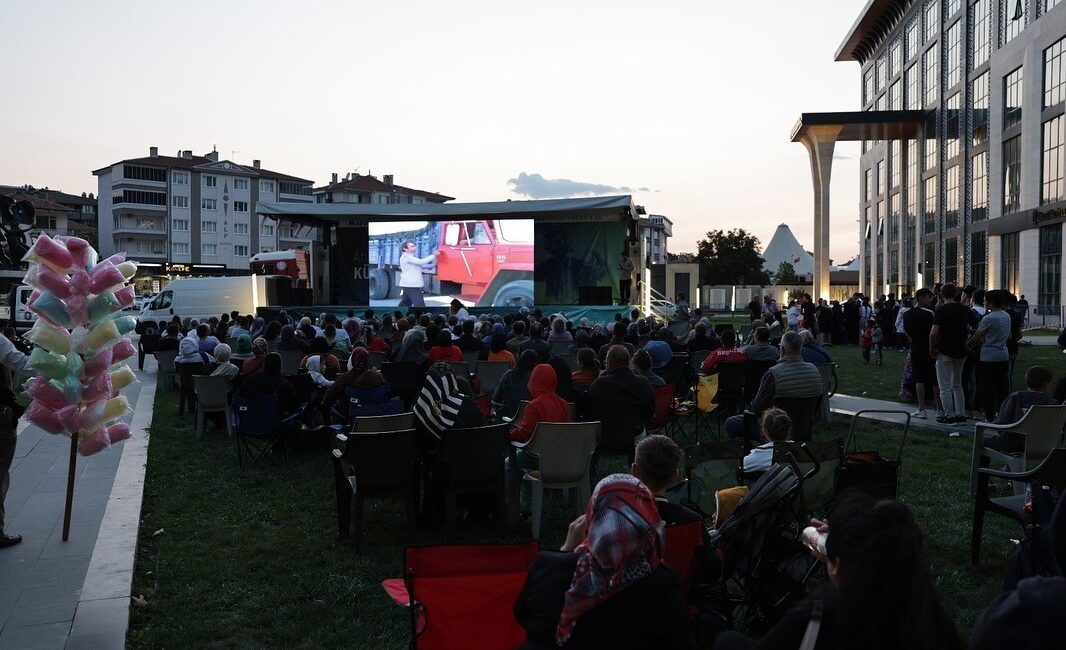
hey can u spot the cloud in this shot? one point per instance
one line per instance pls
(842, 156)
(536, 186)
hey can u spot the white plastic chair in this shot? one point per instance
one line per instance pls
(564, 450)
(168, 372)
(1042, 427)
(212, 396)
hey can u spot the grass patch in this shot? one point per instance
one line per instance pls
(857, 378)
(253, 558)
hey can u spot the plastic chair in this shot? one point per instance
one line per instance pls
(490, 373)
(212, 396)
(1051, 472)
(376, 359)
(471, 461)
(803, 411)
(405, 379)
(571, 361)
(167, 371)
(753, 372)
(290, 361)
(463, 595)
(460, 369)
(383, 423)
(374, 465)
(185, 372)
(684, 544)
(1042, 428)
(470, 357)
(564, 450)
(820, 488)
(145, 345)
(696, 359)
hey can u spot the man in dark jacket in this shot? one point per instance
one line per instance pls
(620, 384)
(536, 343)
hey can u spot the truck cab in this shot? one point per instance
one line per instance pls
(491, 260)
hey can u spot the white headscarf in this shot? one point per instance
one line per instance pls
(314, 368)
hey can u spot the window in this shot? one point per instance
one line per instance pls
(868, 185)
(879, 166)
(929, 221)
(209, 250)
(180, 178)
(929, 264)
(1049, 5)
(896, 164)
(895, 100)
(982, 31)
(979, 96)
(1012, 15)
(882, 105)
(266, 187)
(1008, 260)
(914, 43)
(1050, 269)
(208, 204)
(1012, 99)
(978, 260)
(895, 59)
(951, 260)
(240, 229)
(868, 86)
(141, 197)
(382, 199)
(208, 226)
(1051, 162)
(912, 211)
(179, 248)
(240, 183)
(210, 181)
(1054, 74)
(286, 231)
(42, 221)
(932, 20)
(179, 201)
(951, 197)
(951, 7)
(180, 225)
(931, 159)
(954, 55)
(952, 117)
(979, 187)
(266, 230)
(240, 206)
(240, 251)
(1012, 174)
(910, 82)
(931, 81)
(290, 187)
(138, 173)
(881, 67)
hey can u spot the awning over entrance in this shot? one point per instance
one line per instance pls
(861, 125)
(820, 132)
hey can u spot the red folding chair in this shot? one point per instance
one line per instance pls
(664, 398)
(683, 546)
(463, 595)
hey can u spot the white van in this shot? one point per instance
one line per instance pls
(202, 298)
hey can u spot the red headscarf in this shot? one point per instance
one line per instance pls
(624, 544)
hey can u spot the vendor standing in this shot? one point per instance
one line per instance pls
(411, 275)
(10, 411)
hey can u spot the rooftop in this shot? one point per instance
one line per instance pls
(190, 161)
(369, 183)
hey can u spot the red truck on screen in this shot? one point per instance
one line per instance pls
(295, 264)
(487, 262)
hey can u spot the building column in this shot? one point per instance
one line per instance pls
(1029, 264)
(820, 148)
(993, 263)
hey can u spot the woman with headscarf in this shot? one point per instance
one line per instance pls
(289, 341)
(222, 366)
(445, 404)
(443, 349)
(413, 348)
(360, 382)
(396, 340)
(581, 340)
(272, 334)
(331, 366)
(258, 327)
(599, 337)
(387, 328)
(607, 587)
(498, 350)
(314, 370)
(308, 329)
(189, 351)
(354, 331)
(243, 348)
(564, 382)
(514, 385)
(259, 352)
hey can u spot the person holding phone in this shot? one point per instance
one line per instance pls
(411, 267)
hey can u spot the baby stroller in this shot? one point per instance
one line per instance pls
(766, 566)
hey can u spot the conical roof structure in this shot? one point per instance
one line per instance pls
(784, 247)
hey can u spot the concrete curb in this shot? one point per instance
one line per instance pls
(103, 612)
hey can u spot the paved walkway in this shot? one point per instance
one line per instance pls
(850, 405)
(52, 593)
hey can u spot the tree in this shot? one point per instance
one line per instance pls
(786, 274)
(732, 258)
(685, 258)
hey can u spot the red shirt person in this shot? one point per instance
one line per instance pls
(545, 406)
(728, 353)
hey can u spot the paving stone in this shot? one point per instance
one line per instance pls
(37, 605)
(100, 624)
(49, 636)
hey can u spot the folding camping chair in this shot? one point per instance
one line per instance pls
(259, 429)
(869, 471)
(462, 596)
(684, 543)
(802, 411)
(620, 424)
(290, 361)
(664, 398)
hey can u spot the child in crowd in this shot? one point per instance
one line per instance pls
(866, 341)
(1038, 385)
(877, 338)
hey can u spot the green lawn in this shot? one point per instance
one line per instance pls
(857, 378)
(253, 558)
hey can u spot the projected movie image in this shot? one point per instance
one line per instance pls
(479, 262)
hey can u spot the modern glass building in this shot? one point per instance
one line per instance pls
(979, 197)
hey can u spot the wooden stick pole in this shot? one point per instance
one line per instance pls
(70, 484)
